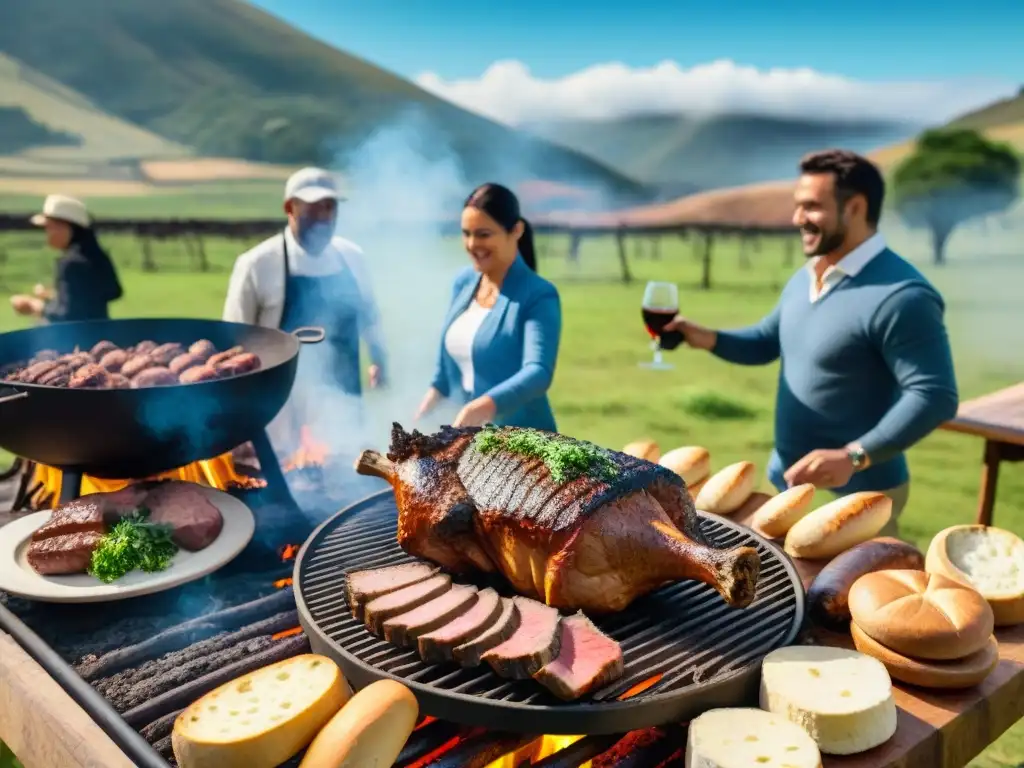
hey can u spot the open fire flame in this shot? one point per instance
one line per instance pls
(311, 452)
(219, 473)
(288, 553)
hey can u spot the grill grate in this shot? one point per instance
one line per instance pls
(704, 653)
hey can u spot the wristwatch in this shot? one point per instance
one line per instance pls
(858, 457)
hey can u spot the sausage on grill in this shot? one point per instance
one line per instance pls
(227, 354)
(90, 376)
(198, 374)
(114, 360)
(154, 377)
(165, 353)
(100, 348)
(182, 363)
(137, 364)
(239, 364)
(203, 349)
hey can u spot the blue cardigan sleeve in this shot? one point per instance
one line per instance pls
(440, 379)
(755, 345)
(542, 331)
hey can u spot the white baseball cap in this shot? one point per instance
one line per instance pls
(64, 208)
(311, 185)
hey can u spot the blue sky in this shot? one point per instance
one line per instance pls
(871, 39)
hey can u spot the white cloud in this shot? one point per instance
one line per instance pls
(509, 93)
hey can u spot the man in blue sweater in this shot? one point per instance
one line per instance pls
(866, 367)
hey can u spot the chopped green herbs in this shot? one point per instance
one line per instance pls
(134, 544)
(565, 458)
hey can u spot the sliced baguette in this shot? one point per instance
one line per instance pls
(838, 525)
(643, 449)
(691, 462)
(991, 560)
(780, 513)
(370, 731)
(728, 489)
(742, 738)
(261, 719)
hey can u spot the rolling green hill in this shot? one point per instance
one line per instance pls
(227, 79)
(1002, 113)
(689, 153)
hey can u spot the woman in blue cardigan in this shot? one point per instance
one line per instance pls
(500, 340)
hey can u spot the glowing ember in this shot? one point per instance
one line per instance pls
(287, 633)
(641, 687)
(289, 551)
(311, 452)
(536, 751)
(219, 473)
(282, 583)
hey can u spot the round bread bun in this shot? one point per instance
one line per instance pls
(922, 615)
(838, 525)
(728, 489)
(780, 513)
(991, 560)
(961, 673)
(643, 449)
(691, 462)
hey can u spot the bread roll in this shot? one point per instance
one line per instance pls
(961, 673)
(370, 731)
(728, 489)
(695, 489)
(691, 462)
(828, 597)
(780, 513)
(922, 615)
(261, 719)
(643, 449)
(842, 698)
(989, 559)
(839, 525)
(741, 738)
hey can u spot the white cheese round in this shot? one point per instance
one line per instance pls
(842, 698)
(748, 738)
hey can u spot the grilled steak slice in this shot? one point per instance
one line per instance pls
(363, 586)
(586, 660)
(534, 643)
(406, 628)
(439, 645)
(63, 555)
(194, 520)
(566, 522)
(469, 654)
(82, 515)
(379, 610)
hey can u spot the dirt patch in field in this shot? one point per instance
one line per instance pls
(211, 169)
(76, 187)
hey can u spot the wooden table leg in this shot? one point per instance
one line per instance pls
(989, 480)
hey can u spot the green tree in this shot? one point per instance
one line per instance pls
(954, 175)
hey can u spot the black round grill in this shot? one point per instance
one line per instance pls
(703, 653)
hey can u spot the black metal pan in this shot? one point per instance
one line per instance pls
(115, 433)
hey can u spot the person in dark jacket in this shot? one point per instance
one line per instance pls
(85, 280)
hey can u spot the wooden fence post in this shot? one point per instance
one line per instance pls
(574, 247)
(705, 278)
(620, 236)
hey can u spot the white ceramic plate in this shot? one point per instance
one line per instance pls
(18, 578)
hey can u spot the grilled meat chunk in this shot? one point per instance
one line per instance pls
(587, 659)
(137, 363)
(79, 516)
(406, 628)
(470, 653)
(114, 360)
(195, 521)
(535, 642)
(220, 357)
(156, 376)
(592, 533)
(380, 609)
(166, 352)
(244, 362)
(101, 348)
(203, 349)
(183, 362)
(439, 645)
(90, 376)
(65, 554)
(197, 374)
(363, 586)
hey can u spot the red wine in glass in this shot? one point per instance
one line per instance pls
(660, 305)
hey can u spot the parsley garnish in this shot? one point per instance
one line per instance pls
(133, 544)
(565, 458)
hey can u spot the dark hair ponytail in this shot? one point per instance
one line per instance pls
(501, 204)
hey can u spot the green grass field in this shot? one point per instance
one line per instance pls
(601, 394)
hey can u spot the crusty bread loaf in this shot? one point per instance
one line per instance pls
(961, 673)
(728, 489)
(691, 462)
(838, 525)
(780, 513)
(921, 615)
(643, 449)
(989, 559)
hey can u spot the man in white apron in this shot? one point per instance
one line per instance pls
(308, 276)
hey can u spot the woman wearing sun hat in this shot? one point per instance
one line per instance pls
(85, 280)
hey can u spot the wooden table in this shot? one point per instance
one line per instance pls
(998, 418)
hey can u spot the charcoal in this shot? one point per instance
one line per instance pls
(481, 749)
(187, 692)
(160, 727)
(578, 753)
(426, 739)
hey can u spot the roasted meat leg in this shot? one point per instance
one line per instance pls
(479, 500)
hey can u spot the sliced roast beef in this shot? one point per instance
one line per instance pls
(470, 653)
(363, 586)
(406, 628)
(439, 645)
(587, 659)
(380, 609)
(194, 520)
(535, 643)
(64, 554)
(78, 516)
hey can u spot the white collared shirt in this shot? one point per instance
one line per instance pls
(850, 265)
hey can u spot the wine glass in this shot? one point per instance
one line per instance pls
(660, 306)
